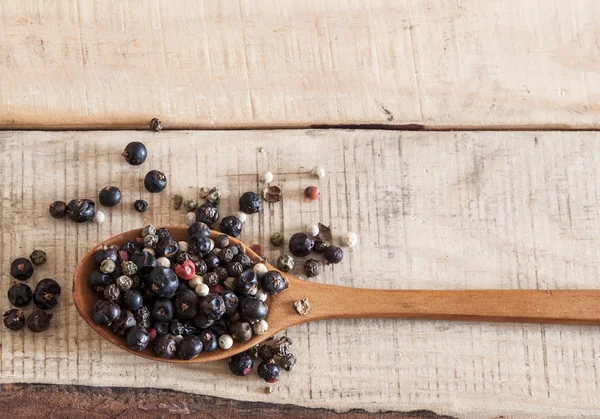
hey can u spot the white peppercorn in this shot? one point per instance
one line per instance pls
(225, 341)
(195, 281)
(312, 230)
(107, 266)
(183, 246)
(267, 177)
(150, 250)
(318, 172)
(99, 217)
(350, 239)
(260, 269)
(190, 218)
(151, 240)
(202, 290)
(260, 327)
(242, 216)
(149, 229)
(163, 262)
(261, 295)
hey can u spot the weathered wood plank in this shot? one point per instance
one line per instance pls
(432, 210)
(218, 64)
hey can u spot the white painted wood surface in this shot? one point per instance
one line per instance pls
(220, 64)
(432, 210)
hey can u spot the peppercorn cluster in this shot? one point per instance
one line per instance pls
(45, 295)
(273, 354)
(180, 298)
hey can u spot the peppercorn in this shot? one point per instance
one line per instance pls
(21, 269)
(320, 246)
(151, 240)
(140, 205)
(20, 295)
(186, 270)
(282, 347)
(260, 269)
(190, 204)
(155, 181)
(38, 321)
(112, 293)
(137, 338)
(199, 228)
(201, 267)
(261, 295)
(277, 239)
(350, 239)
(186, 304)
(241, 331)
(166, 247)
(214, 196)
(156, 125)
(105, 312)
(99, 217)
(268, 371)
(133, 300)
(58, 209)
(247, 283)
(253, 352)
(244, 259)
(165, 346)
(213, 306)
(125, 322)
(162, 282)
(272, 194)
(135, 153)
(207, 213)
(234, 269)
(81, 210)
(334, 254)
(242, 216)
(240, 364)
(266, 352)
(300, 244)
(312, 268)
(311, 193)
(222, 241)
(98, 280)
(250, 203)
(221, 327)
(163, 310)
(189, 348)
(199, 244)
(38, 257)
(14, 319)
(260, 328)
(318, 172)
(252, 309)
(212, 261)
(109, 196)
(312, 230)
(288, 362)
(285, 263)
(129, 268)
(209, 340)
(226, 255)
(274, 283)
(107, 266)
(225, 341)
(46, 293)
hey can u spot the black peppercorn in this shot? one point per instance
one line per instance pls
(273, 283)
(21, 269)
(46, 293)
(163, 310)
(14, 319)
(161, 328)
(58, 209)
(163, 282)
(166, 247)
(212, 261)
(234, 249)
(133, 300)
(226, 255)
(253, 309)
(38, 257)
(231, 225)
(203, 322)
(155, 181)
(144, 261)
(240, 364)
(240, 330)
(207, 213)
(213, 306)
(137, 338)
(221, 241)
(334, 254)
(125, 322)
(247, 283)
(200, 229)
(320, 246)
(105, 312)
(142, 314)
(244, 259)
(165, 346)
(268, 371)
(250, 203)
(38, 321)
(189, 348)
(231, 301)
(266, 352)
(19, 295)
(182, 257)
(199, 244)
(301, 244)
(201, 268)
(140, 205)
(135, 153)
(186, 304)
(109, 196)
(209, 340)
(220, 327)
(98, 280)
(234, 269)
(312, 268)
(211, 279)
(81, 210)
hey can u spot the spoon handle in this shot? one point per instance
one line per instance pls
(521, 306)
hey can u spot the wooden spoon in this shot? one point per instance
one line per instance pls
(332, 302)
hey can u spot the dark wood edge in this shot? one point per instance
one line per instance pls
(69, 401)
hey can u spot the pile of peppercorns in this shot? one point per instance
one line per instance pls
(20, 295)
(82, 210)
(182, 298)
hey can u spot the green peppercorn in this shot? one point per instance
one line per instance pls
(124, 283)
(285, 263)
(151, 240)
(149, 229)
(190, 205)
(129, 268)
(288, 362)
(277, 239)
(38, 257)
(214, 196)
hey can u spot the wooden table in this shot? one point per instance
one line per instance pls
(498, 191)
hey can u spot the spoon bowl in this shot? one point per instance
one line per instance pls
(329, 302)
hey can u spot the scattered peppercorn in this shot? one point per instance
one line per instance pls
(20, 295)
(190, 205)
(320, 246)
(312, 268)
(155, 181)
(350, 240)
(156, 125)
(240, 364)
(140, 205)
(302, 306)
(231, 225)
(99, 217)
(277, 239)
(46, 293)
(285, 263)
(311, 193)
(272, 194)
(288, 362)
(334, 254)
(58, 209)
(318, 172)
(14, 319)
(21, 269)
(214, 196)
(300, 244)
(109, 196)
(135, 153)
(268, 371)
(38, 321)
(137, 338)
(250, 203)
(81, 210)
(207, 213)
(38, 257)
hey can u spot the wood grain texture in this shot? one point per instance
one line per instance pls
(219, 64)
(27, 401)
(432, 211)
